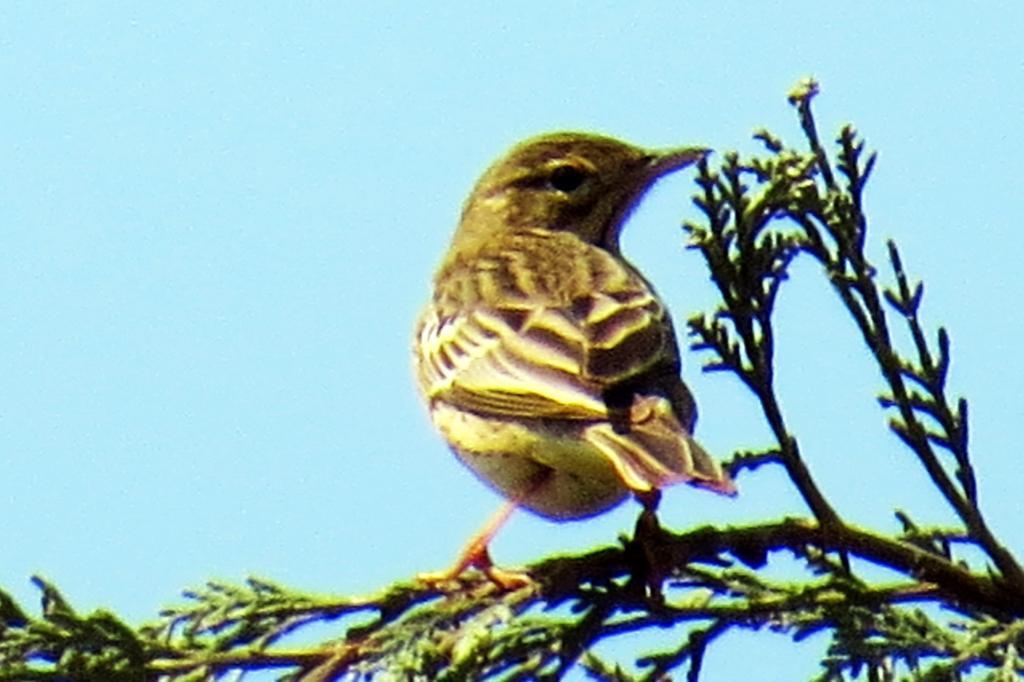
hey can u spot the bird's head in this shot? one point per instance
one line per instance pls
(579, 182)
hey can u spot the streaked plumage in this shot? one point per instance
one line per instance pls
(548, 362)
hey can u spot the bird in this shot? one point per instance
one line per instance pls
(546, 359)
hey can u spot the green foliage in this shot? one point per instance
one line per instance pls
(937, 618)
(62, 644)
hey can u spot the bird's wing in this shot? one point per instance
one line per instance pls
(550, 357)
(558, 363)
(593, 346)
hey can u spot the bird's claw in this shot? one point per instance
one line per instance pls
(476, 556)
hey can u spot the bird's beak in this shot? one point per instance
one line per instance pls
(654, 165)
(662, 162)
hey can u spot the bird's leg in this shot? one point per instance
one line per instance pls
(649, 500)
(475, 554)
(648, 537)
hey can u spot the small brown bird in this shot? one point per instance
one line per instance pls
(547, 360)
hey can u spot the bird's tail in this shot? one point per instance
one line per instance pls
(657, 451)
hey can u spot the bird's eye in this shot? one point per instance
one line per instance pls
(566, 178)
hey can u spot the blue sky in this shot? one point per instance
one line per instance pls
(218, 222)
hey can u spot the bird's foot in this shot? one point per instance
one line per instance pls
(475, 555)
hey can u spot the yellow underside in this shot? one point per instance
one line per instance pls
(557, 476)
